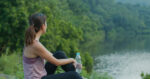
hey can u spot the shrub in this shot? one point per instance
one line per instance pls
(11, 64)
(145, 76)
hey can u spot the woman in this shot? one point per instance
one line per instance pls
(34, 54)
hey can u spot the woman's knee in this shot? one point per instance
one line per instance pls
(60, 55)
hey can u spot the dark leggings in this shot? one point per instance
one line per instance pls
(68, 68)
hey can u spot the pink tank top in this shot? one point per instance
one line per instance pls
(33, 68)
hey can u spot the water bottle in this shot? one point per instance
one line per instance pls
(79, 63)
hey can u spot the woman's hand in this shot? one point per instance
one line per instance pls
(74, 62)
(79, 66)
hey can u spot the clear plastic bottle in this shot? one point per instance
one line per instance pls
(79, 63)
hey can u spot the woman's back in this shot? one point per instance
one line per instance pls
(33, 67)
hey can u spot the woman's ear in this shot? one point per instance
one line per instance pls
(43, 28)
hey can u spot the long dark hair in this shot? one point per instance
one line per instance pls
(35, 21)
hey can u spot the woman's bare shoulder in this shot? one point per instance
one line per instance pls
(38, 46)
(31, 50)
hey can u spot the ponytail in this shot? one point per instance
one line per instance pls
(35, 21)
(30, 35)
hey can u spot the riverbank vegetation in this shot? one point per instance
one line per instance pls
(145, 76)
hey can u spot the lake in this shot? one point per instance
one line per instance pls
(124, 65)
(124, 59)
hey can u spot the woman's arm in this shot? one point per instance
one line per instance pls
(44, 53)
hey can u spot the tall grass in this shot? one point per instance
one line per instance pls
(11, 64)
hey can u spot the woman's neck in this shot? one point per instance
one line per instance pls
(38, 35)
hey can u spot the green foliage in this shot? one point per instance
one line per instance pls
(87, 62)
(145, 76)
(13, 20)
(11, 64)
(59, 70)
(63, 36)
(93, 21)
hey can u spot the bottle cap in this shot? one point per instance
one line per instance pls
(77, 53)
